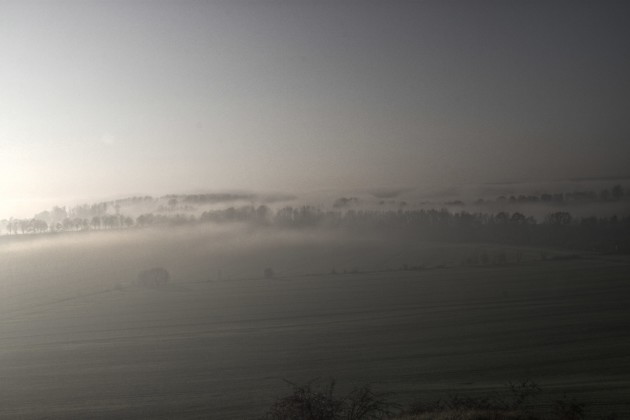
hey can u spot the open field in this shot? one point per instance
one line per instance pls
(79, 339)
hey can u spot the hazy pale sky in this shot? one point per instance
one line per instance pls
(100, 98)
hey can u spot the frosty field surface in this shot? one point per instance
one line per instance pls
(91, 344)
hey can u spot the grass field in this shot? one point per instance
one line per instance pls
(79, 339)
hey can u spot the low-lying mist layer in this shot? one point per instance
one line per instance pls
(43, 268)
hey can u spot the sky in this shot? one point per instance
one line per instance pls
(110, 98)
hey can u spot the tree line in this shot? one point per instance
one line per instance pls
(615, 193)
(558, 229)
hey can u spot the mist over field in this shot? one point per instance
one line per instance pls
(314, 210)
(412, 308)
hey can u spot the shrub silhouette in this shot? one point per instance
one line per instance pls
(519, 401)
(307, 402)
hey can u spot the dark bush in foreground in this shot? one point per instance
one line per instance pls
(517, 402)
(514, 403)
(308, 402)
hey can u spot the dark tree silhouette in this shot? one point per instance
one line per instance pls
(154, 277)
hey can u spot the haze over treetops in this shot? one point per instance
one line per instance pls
(108, 98)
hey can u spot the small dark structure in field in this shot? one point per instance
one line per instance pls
(268, 273)
(154, 277)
